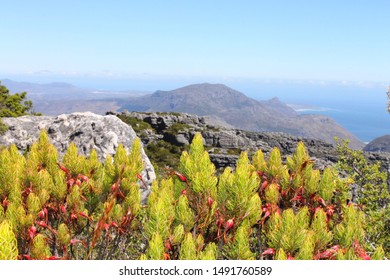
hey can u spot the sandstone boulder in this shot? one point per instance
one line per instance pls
(87, 130)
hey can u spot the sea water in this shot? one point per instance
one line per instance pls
(361, 109)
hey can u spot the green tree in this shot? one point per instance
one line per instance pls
(13, 105)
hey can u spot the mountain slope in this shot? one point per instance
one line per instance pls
(380, 144)
(62, 98)
(242, 112)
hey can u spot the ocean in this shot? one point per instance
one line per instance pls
(361, 109)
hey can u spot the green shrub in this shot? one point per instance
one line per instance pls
(372, 194)
(13, 105)
(176, 128)
(81, 208)
(137, 124)
(77, 209)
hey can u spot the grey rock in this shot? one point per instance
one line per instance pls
(225, 143)
(87, 130)
(380, 144)
(222, 141)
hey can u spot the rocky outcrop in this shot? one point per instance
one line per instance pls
(225, 143)
(380, 144)
(87, 130)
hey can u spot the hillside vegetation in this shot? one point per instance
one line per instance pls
(80, 208)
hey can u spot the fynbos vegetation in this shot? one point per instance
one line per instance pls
(80, 208)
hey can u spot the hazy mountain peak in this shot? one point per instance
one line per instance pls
(241, 111)
(210, 90)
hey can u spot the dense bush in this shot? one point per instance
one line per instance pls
(80, 208)
(372, 193)
(77, 209)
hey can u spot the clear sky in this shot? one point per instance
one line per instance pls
(320, 40)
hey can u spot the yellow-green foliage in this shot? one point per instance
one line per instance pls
(63, 234)
(198, 168)
(209, 253)
(288, 231)
(239, 249)
(156, 248)
(77, 205)
(237, 191)
(160, 210)
(40, 249)
(188, 248)
(351, 228)
(321, 235)
(81, 208)
(8, 243)
(184, 214)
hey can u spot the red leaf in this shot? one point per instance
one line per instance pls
(71, 182)
(27, 257)
(114, 224)
(41, 214)
(63, 209)
(83, 177)
(264, 185)
(53, 258)
(74, 241)
(180, 176)
(229, 224)
(32, 231)
(269, 251)
(63, 168)
(321, 201)
(82, 214)
(168, 245)
(42, 224)
(210, 201)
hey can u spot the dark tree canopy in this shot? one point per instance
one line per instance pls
(13, 105)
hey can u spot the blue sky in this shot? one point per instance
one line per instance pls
(220, 40)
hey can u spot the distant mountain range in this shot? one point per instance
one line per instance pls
(241, 112)
(60, 98)
(213, 100)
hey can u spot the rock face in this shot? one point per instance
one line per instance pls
(380, 144)
(225, 143)
(87, 130)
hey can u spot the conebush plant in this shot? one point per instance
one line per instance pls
(81, 208)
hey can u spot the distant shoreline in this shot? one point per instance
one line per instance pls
(308, 108)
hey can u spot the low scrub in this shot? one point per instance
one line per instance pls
(81, 208)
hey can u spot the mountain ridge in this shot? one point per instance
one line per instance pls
(242, 112)
(205, 99)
